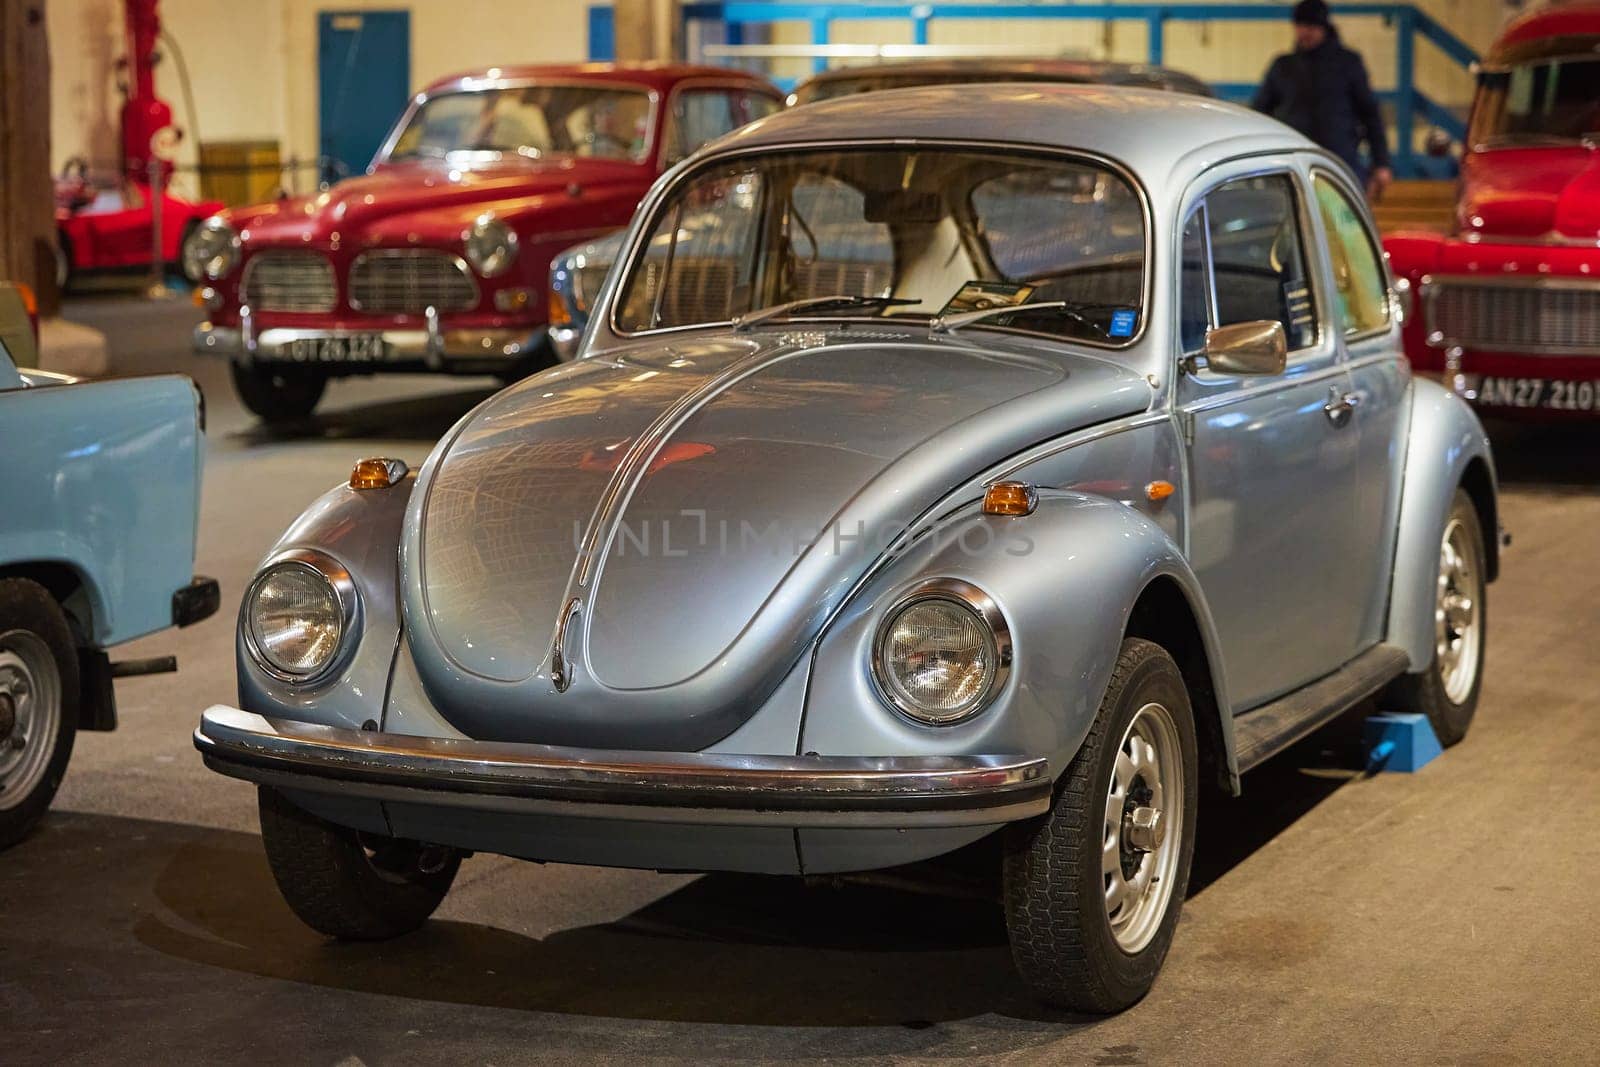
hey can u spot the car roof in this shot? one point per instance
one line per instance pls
(660, 77)
(1545, 32)
(1012, 68)
(1149, 130)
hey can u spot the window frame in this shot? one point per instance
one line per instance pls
(1310, 233)
(649, 216)
(1319, 170)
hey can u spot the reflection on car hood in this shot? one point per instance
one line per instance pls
(1532, 192)
(431, 200)
(706, 503)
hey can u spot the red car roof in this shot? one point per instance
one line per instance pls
(1543, 30)
(658, 76)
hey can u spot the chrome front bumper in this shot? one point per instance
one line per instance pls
(667, 787)
(432, 346)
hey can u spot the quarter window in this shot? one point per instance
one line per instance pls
(1244, 261)
(702, 115)
(1358, 276)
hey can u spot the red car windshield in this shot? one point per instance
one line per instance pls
(529, 121)
(1552, 100)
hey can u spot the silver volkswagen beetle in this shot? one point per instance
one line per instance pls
(943, 464)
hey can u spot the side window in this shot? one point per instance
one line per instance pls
(1358, 277)
(702, 115)
(1258, 256)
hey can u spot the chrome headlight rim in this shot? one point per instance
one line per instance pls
(506, 245)
(964, 595)
(228, 251)
(338, 579)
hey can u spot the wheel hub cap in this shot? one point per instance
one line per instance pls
(1143, 827)
(30, 713)
(1457, 613)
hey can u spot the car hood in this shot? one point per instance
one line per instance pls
(695, 511)
(408, 201)
(1532, 192)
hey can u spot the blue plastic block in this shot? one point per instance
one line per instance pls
(1398, 742)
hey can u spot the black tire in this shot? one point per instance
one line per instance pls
(346, 884)
(1426, 693)
(1055, 890)
(277, 395)
(27, 608)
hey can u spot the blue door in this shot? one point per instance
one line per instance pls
(364, 80)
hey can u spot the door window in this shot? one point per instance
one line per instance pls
(1253, 266)
(702, 115)
(1359, 281)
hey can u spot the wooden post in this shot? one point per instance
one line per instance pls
(648, 29)
(27, 197)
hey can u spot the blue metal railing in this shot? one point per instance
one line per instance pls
(1408, 102)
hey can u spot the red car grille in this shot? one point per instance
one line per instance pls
(410, 281)
(288, 281)
(1533, 317)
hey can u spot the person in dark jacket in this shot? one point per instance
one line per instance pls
(1321, 89)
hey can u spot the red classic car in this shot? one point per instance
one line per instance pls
(99, 229)
(1511, 299)
(436, 259)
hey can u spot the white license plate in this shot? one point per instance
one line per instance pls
(1550, 393)
(339, 348)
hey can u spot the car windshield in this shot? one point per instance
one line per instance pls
(895, 231)
(530, 121)
(1550, 100)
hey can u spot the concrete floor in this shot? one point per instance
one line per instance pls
(1445, 916)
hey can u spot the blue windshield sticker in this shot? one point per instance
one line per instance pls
(1122, 323)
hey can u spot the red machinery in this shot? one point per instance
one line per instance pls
(100, 229)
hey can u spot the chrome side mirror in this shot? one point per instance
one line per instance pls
(1437, 142)
(1257, 347)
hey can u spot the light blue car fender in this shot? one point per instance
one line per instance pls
(103, 479)
(1446, 449)
(1067, 579)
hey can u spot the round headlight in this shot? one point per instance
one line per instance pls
(296, 616)
(491, 246)
(940, 653)
(212, 250)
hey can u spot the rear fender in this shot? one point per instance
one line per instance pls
(1447, 449)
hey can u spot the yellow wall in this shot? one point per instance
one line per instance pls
(253, 63)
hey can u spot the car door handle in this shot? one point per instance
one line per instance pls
(1340, 406)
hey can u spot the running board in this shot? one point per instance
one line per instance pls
(1265, 731)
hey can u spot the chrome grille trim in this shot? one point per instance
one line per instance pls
(410, 280)
(288, 281)
(1539, 316)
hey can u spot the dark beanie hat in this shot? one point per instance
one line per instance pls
(1312, 13)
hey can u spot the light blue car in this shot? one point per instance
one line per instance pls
(98, 510)
(983, 467)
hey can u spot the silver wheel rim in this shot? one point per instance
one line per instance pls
(1137, 871)
(30, 714)
(1457, 616)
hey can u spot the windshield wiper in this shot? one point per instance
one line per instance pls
(1067, 309)
(819, 303)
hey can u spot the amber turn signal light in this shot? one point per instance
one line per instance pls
(1158, 491)
(377, 473)
(1010, 498)
(559, 315)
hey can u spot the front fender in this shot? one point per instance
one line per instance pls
(1066, 578)
(360, 529)
(1447, 449)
